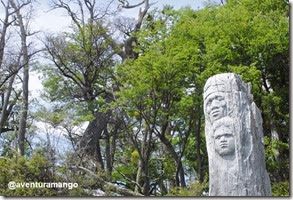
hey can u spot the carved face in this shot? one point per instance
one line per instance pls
(216, 106)
(224, 140)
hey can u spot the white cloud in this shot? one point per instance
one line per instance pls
(51, 21)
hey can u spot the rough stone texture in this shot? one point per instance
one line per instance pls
(234, 136)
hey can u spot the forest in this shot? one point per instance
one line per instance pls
(121, 109)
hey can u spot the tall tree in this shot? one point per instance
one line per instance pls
(25, 79)
(153, 88)
(85, 62)
(8, 70)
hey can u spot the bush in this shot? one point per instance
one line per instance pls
(280, 189)
(20, 169)
(195, 189)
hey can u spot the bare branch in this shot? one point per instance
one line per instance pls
(132, 181)
(51, 47)
(106, 186)
(11, 73)
(72, 14)
(125, 4)
(81, 10)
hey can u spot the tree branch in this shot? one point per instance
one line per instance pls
(104, 185)
(125, 4)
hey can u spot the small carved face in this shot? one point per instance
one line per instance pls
(216, 106)
(224, 140)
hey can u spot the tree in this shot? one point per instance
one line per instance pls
(153, 92)
(128, 45)
(8, 70)
(12, 60)
(84, 62)
(26, 58)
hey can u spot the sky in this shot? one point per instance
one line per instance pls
(56, 20)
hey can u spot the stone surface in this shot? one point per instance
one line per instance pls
(234, 137)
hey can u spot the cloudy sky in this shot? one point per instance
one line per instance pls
(56, 20)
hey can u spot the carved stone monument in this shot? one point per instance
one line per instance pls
(234, 137)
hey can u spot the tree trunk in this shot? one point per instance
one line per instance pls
(108, 155)
(162, 187)
(24, 109)
(144, 157)
(113, 145)
(4, 111)
(3, 34)
(90, 141)
(138, 175)
(128, 46)
(145, 163)
(180, 178)
(198, 143)
(146, 179)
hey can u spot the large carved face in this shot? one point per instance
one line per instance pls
(216, 106)
(224, 140)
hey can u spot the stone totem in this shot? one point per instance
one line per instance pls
(234, 137)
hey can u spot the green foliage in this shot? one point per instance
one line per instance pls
(281, 189)
(39, 169)
(134, 157)
(83, 66)
(85, 185)
(195, 189)
(154, 94)
(276, 163)
(20, 169)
